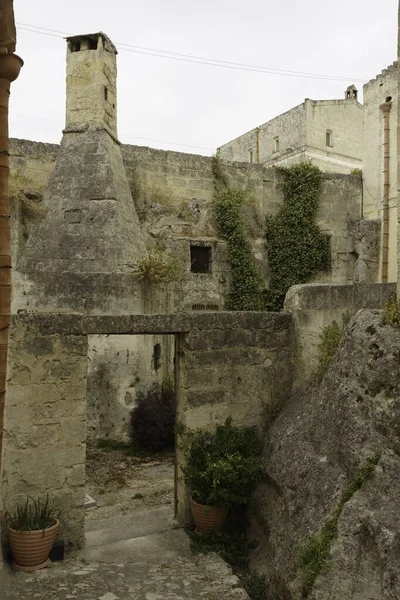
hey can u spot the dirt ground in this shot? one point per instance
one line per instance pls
(121, 483)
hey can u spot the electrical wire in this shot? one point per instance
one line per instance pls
(201, 60)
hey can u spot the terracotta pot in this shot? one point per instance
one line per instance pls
(208, 519)
(31, 549)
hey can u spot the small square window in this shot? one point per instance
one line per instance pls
(276, 144)
(329, 138)
(200, 259)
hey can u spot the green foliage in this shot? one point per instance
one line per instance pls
(255, 586)
(297, 249)
(391, 312)
(246, 292)
(233, 546)
(316, 550)
(356, 172)
(362, 474)
(222, 467)
(157, 267)
(330, 340)
(34, 515)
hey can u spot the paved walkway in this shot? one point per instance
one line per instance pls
(131, 557)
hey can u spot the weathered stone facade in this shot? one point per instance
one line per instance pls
(315, 306)
(227, 364)
(328, 132)
(314, 448)
(107, 207)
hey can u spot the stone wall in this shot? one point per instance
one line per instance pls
(289, 127)
(173, 193)
(344, 119)
(33, 160)
(227, 364)
(45, 415)
(312, 458)
(121, 367)
(375, 93)
(83, 255)
(315, 306)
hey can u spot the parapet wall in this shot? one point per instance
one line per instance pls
(315, 306)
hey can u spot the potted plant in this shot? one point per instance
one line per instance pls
(32, 530)
(222, 469)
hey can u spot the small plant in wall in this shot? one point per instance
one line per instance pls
(330, 337)
(32, 530)
(159, 267)
(222, 469)
(391, 312)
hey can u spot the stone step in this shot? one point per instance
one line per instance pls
(125, 527)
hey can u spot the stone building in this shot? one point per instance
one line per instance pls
(328, 132)
(112, 213)
(86, 252)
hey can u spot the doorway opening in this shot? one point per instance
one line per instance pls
(131, 406)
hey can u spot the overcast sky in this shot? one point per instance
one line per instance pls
(181, 103)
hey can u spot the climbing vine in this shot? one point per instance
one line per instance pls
(246, 291)
(315, 552)
(297, 248)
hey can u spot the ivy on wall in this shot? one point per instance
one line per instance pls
(246, 291)
(297, 248)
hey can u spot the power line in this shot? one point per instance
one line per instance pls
(126, 137)
(212, 62)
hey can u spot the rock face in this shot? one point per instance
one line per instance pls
(313, 449)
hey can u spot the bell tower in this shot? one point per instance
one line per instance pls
(91, 84)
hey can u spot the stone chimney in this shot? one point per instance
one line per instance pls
(79, 255)
(91, 84)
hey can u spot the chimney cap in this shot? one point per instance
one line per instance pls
(107, 43)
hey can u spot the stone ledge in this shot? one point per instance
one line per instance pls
(77, 324)
(317, 296)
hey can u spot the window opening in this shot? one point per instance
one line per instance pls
(105, 93)
(276, 144)
(200, 259)
(250, 156)
(329, 138)
(157, 357)
(75, 46)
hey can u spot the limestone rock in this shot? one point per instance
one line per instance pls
(314, 447)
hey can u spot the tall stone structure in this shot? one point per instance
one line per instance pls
(78, 256)
(91, 84)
